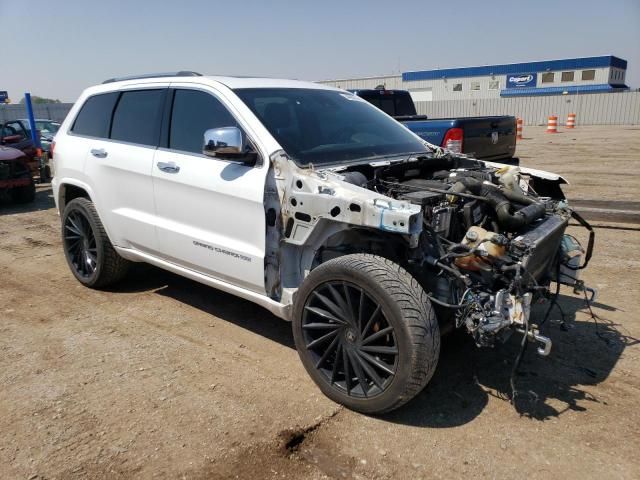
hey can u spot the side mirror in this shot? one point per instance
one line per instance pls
(228, 143)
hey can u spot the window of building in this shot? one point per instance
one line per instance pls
(195, 112)
(548, 77)
(457, 87)
(494, 85)
(567, 77)
(95, 115)
(588, 75)
(475, 85)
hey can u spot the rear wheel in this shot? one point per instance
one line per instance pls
(89, 253)
(366, 332)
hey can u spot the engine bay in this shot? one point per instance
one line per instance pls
(493, 239)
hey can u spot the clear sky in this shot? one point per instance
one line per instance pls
(57, 48)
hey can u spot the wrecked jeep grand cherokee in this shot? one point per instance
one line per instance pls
(316, 205)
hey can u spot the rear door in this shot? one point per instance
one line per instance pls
(210, 211)
(119, 167)
(489, 138)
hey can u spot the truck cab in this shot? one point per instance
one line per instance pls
(486, 138)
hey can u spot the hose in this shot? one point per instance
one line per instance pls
(501, 204)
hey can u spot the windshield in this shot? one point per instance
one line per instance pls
(325, 126)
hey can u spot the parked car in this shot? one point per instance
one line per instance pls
(312, 203)
(46, 129)
(486, 138)
(17, 134)
(16, 181)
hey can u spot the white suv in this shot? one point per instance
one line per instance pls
(316, 205)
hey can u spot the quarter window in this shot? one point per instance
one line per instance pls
(95, 115)
(194, 112)
(137, 117)
(588, 75)
(457, 87)
(567, 76)
(548, 77)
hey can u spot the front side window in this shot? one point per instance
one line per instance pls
(567, 76)
(137, 117)
(195, 112)
(95, 115)
(548, 77)
(327, 126)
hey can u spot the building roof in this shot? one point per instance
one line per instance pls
(517, 68)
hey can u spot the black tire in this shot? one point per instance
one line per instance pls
(25, 194)
(90, 256)
(403, 314)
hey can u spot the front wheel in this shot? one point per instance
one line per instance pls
(366, 332)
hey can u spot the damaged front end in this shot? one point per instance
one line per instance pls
(485, 240)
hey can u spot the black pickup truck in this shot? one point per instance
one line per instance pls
(485, 138)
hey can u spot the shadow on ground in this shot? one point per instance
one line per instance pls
(584, 353)
(43, 201)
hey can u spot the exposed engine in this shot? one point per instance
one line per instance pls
(492, 241)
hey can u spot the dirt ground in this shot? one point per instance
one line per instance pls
(162, 377)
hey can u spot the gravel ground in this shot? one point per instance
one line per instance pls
(165, 378)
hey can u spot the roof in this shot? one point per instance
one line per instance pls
(574, 89)
(517, 68)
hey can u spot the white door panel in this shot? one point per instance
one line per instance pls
(124, 190)
(210, 217)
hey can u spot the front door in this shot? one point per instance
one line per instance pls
(210, 212)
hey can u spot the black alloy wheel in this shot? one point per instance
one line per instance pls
(365, 332)
(349, 338)
(87, 248)
(80, 244)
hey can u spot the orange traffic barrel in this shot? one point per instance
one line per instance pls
(552, 124)
(571, 120)
(519, 123)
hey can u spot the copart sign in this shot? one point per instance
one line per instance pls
(521, 80)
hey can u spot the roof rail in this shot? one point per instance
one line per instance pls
(182, 73)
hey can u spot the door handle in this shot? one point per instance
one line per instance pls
(168, 167)
(99, 152)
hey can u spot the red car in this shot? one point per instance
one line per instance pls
(15, 134)
(16, 180)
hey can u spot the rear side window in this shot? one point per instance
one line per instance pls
(194, 112)
(95, 116)
(137, 117)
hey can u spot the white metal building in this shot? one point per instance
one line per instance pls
(550, 77)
